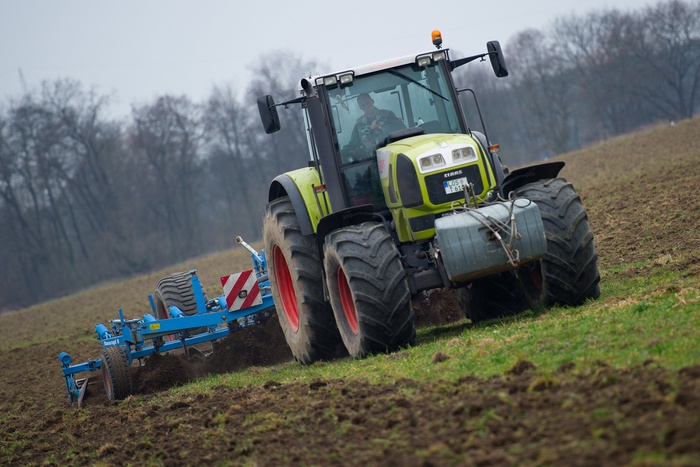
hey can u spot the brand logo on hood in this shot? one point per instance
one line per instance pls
(452, 174)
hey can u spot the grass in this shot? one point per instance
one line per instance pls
(635, 321)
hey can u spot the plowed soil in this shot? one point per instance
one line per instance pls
(591, 416)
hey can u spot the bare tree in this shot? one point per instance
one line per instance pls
(280, 75)
(545, 93)
(93, 145)
(59, 163)
(665, 51)
(35, 186)
(168, 134)
(593, 51)
(237, 182)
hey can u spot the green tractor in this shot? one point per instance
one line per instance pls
(400, 197)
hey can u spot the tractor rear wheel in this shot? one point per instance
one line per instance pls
(116, 376)
(296, 282)
(568, 274)
(175, 289)
(368, 290)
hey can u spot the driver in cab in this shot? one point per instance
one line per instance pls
(371, 128)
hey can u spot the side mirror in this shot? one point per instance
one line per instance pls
(268, 114)
(498, 63)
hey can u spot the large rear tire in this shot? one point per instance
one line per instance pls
(368, 290)
(568, 274)
(116, 376)
(296, 282)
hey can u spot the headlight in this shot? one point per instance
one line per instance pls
(431, 162)
(463, 155)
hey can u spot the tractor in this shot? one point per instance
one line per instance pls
(401, 196)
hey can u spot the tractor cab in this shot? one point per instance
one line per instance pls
(374, 109)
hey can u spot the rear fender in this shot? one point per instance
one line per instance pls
(345, 217)
(525, 175)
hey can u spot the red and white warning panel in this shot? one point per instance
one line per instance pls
(241, 290)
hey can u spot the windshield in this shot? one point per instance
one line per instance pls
(374, 106)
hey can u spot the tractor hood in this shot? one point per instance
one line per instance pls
(423, 176)
(431, 153)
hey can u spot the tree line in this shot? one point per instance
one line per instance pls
(86, 198)
(588, 78)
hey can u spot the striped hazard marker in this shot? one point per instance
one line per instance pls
(241, 290)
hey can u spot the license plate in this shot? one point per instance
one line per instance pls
(454, 186)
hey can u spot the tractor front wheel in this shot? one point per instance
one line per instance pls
(116, 376)
(568, 274)
(296, 282)
(368, 290)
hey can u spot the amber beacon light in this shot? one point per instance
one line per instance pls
(437, 38)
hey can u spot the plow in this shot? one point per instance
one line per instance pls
(181, 317)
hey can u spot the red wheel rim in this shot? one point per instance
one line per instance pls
(285, 286)
(347, 302)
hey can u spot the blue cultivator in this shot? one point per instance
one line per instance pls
(245, 294)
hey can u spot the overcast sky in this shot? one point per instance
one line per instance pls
(141, 49)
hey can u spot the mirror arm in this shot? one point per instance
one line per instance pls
(286, 104)
(465, 60)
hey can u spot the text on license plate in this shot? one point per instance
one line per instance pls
(454, 186)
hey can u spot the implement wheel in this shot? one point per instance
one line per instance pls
(175, 289)
(568, 274)
(296, 282)
(116, 376)
(368, 290)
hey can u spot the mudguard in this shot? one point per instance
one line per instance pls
(525, 175)
(299, 186)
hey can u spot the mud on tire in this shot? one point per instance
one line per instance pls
(296, 281)
(368, 290)
(568, 274)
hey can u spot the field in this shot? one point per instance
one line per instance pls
(615, 381)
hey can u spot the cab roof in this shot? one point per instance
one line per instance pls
(378, 66)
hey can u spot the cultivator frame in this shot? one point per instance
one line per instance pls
(139, 338)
